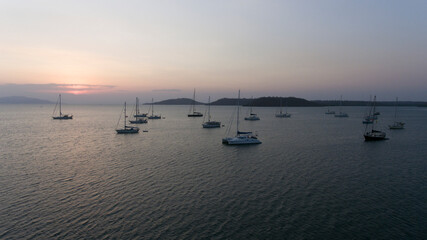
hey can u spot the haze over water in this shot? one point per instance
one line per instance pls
(313, 177)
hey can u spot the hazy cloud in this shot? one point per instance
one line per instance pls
(53, 88)
(166, 90)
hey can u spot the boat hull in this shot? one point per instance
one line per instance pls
(252, 118)
(375, 136)
(211, 125)
(241, 140)
(63, 117)
(154, 117)
(139, 121)
(284, 115)
(195, 115)
(128, 130)
(397, 125)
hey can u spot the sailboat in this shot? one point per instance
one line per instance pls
(329, 111)
(61, 116)
(396, 124)
(152, 116)
(341, 114)
(373, 135)
(126, 129)
(369, 117)
(137, 112)
(192, 112)
(252, 116)
(241, 138)
(282, 114)
(209, 123)
(138, 116)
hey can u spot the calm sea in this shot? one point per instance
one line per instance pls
(313, 177)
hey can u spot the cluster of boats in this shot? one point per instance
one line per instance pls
(370, 120)
(240, 137)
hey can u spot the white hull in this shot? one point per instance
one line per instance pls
(241, 140)
(195, 114)
(397, 125)
(211, 124)
(252, 117)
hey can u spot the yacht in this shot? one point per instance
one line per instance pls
(241, 138)
(61, 116)
(193, 112)
(373, 134)
(126, 129)
(210, 123)
(396, 124)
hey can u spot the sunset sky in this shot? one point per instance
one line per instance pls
(110, 51)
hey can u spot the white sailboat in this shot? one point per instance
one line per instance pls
(138, 114)
(373, 135)
(241, 138)
(193, 112)
(282, 114)
(138, 119)
(252, 116)
(152, 116)
(341, 114)
(396, 124)
(210, 123)
(61, 116)
(126, 129)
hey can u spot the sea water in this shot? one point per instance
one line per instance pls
(313, 176)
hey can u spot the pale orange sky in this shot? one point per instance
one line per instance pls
(310, 49)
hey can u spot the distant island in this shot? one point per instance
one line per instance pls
(23, 100)
(268, 102)
(257, 102)
(286, 101)
(177, 101)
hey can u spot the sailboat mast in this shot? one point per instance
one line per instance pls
(194, 100)
(395, 111)
(209, 109)
(238, 110)
(252, 102)
(137, 106)
(125, 117)
(373, 112)
(60, 103)
(152, 107)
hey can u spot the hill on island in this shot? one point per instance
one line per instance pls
(268, 102)
(177, 101)
(231, 101)
(23, 100)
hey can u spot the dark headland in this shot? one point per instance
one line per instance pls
(286, 101)
(177, 101)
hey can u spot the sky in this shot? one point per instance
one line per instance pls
(111, 51)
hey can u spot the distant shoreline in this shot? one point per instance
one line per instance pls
(256, 102)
